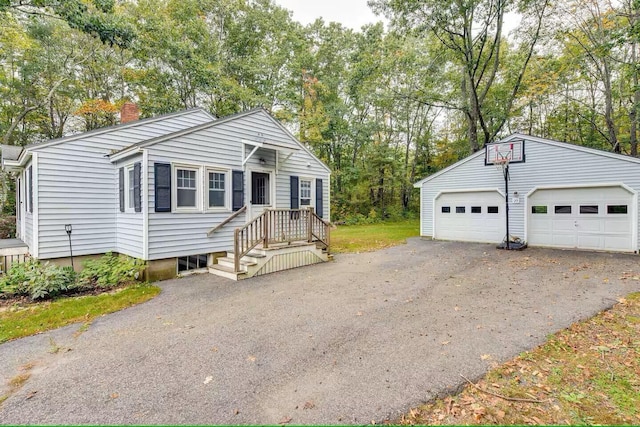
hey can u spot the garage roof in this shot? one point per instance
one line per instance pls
(536, 139)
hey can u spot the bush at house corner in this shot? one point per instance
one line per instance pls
(44, 280)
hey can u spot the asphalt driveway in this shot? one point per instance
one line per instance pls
(363, 338)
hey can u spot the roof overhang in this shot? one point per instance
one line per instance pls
(15, 165)
(270, 145)
(123, 154)
(287, 150)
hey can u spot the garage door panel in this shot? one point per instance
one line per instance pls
(616, 226)
(591, 223)
(469, 226)
(595, 225)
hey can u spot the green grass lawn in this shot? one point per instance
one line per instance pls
(371, 237)
(23, 320)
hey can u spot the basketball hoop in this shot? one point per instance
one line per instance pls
(501, 161)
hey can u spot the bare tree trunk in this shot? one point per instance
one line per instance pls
(608, 111)
(635, 106)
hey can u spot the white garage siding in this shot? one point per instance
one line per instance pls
(473, 216)
(548, 164)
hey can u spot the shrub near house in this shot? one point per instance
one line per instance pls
(39, 280)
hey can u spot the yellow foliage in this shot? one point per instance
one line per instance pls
(96, 106)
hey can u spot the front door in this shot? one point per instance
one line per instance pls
(261, 191)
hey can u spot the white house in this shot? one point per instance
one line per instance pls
(171, 190)
(560, 195)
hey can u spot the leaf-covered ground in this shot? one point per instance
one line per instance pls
(586, 374)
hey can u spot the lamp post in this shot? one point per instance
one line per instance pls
(68, 229)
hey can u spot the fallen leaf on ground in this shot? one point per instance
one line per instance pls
(285, 420)
(208, 380)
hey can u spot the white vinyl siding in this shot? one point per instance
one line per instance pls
(547, 164)
(28, 216)
(78, 185)
(220, 147)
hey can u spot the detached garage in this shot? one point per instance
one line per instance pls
(560, 195)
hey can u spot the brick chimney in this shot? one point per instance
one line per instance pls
(129, 112)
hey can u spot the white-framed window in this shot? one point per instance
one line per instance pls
(305, 193)
(129, 191)
(186, 193)
(217, 182)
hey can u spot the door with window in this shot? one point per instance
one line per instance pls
(261, 191)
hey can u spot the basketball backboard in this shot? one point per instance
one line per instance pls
(513, 151)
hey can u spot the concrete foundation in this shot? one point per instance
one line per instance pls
(161, 269)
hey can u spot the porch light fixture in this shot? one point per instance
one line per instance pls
(69, 229)
(262, 161)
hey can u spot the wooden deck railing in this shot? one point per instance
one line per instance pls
(226, 221)
(280, 226)
(6, 261)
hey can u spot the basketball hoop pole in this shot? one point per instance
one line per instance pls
(506, 199)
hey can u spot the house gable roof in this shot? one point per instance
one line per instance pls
(515, 136)
(16, 155)
(133, 148)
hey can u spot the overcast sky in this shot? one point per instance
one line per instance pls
(350, 13)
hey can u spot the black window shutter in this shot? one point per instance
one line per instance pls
(162, 186)
(295, 199)
(30, 178)
(137, 193)
(319, 205)
(237, 190)
(121, 188)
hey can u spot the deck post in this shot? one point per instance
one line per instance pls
(310, 224)
(236, 250)
(265, 231)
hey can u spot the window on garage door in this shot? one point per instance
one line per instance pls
(476, 209)
(460, 209)
(492, 209)
(588, 209)
(616, 209)
(446, 209)
(538, 209)
(562, 209)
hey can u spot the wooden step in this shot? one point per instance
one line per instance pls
(252, 258)
(228, 261)
(229, 273)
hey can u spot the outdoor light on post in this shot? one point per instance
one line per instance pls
(68, 229)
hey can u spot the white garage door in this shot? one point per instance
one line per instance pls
(586, 218)
(476, 216)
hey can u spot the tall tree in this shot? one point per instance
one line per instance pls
(471, 34)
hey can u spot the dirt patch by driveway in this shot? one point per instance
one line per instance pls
(360, 339)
